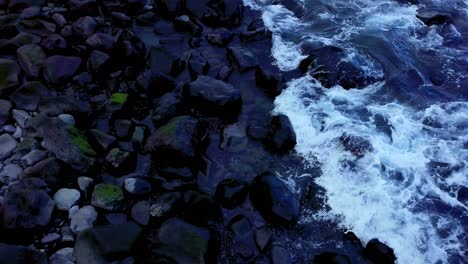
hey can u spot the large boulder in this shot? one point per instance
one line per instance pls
(66, 142)
(378, 252)
(179, 141)
(27, 205)
(10, 254)
(166, 56)
(59, 68)
(182, 242)
(213, 97)
(282, 137)
(9, 73)
(31, 58)
(275, 201)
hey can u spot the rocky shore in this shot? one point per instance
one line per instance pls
(138, 133)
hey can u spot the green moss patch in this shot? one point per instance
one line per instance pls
(80, 141)
(119, 98)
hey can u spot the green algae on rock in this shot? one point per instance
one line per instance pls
(107, 196)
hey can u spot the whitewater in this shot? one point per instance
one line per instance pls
(409, 188)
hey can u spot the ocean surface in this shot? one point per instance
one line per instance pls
(409, 188)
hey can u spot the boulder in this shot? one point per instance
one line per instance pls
(213, 97)
(255, 31)
(271, 82)
(66, 142)
(199, 208)
(182, 241)
(27, 97)
(66, 198)
(275, 201)
(378, 252)
(31, 58)
(50, 170)
(433, 17)
(231, 193)
(163, 58)
(9, 73)
(107, 196)
(155, 83)
(58, 69)
(27, 206)
(10, 254)
(241, 58)
(83, 219)
(282, 137)
(331, 258)
(221, 37)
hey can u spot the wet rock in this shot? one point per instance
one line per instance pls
(331, 258)
(58, 69)
(198, 65)
(33, 157)
(228, 13)
(213, 97)
(101, 41)
(182, 241)
(141, 212)
(65, 142)
(107, 196)
(282, 137)
(10, 254)
(25, 207)
(83, 219)
(28, 95)
(165, 205)
(184, 24)
(7, 145)
(177, 141)
(99, 63)
(274, 200)
(103, 140)
(240, 225)
(279, 255)
(296, 6)
(62, 256)
(231, 193)
(200, 208)
(263, 237)
(31, 58)
(66, 198)
(221, 37)
(162, 59)
(329, 66)
(241, 58)
(9, 70)
(255, 31)
(102, 243)
(54, 42)
(357, 145)
(271, 82)
(84, 27)
(379, 252)
(137, 186)
(5, 108)
(120, 162)
(431, 17)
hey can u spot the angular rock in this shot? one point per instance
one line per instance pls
(7, 145)
(166, 56)
(50, 170)
(10, 173)
(31, 58)
(263, 237)
(33, 157)
(84, 219)
(274, 200)
(167, 108)
(431, 17)
(165, 204)
(220, 37)
(107, 196)
(155, 83)
(66, 198)
(99, 63)
(231, 193)
(101, 41)
(59, 105)
(241, 58)
(282, 137)
(120, 162)
(84, 27)
(102, 139)
(27, 97)
(20, 116)
(378, 252)
(213, 97)
(50, 238)
(182, 241)
(271, 82)
(357, 145)
(9, 72)
(58, 69)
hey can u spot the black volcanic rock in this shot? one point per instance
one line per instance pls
(58, 69)
(84, 27)
(241, 58)
(231, 193)
(378, 252)
(274, 200)
(27, 97)
(213, 97)
(281, 137)
(331, 258)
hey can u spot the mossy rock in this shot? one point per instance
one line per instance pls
(107, 196)
(80, 141)
(119, 98)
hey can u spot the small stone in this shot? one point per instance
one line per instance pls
(69, 119)
(138, 137)
(33, 157)
(20, 117)
(102, 139)
(66, 198)
(10, 173)
(83, 219)
(137, 186)
(84, 27)
(141, 212)
(62, 256)
(7, 145)
(59, 19)
(107, 196)
(50, 238)
(85, 183)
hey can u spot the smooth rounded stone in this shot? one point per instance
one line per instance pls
(137, 186)
(66, 198)
(67, 234)
(27, 97)
(50, 238)
(20, 116)
(84, 183)
(33, 157)
(5, 108)
(275, 201)
(165, 204)
(7, 145)
(31, 58)
(84, 27)
(31, 12)
(9, 70)
(69, 119)
(378, 252)
(101, 41)
(62, 256)
(73, 210)
(59, 68)
(141, 212)
(83, 219)
(213, 97)
(59, 19)
(37, 26)
(10, 129)
(107, 196)
(10, 173)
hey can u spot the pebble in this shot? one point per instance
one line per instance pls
(66, 198)
(10, 172)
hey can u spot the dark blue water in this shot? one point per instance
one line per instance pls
(408, 187)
